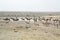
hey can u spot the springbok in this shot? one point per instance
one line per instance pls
(7, 20)
(15, 19)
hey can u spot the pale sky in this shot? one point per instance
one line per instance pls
(30, 5)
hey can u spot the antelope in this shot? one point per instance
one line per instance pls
(15, 19)
(7, 19)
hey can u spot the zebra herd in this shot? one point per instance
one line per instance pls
(43, 20)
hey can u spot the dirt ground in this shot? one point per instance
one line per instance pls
(28, 31)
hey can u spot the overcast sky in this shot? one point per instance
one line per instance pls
(29, 5)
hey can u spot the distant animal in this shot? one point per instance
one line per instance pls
(42, 18)
(28, 18)
(35, 19)
(55, 20)
(6, 19)
(22, 18)
(15, 19)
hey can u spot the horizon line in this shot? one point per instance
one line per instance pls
(29, 11)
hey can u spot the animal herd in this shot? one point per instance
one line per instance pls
(43, 20)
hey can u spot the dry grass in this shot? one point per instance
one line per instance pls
(23, 31)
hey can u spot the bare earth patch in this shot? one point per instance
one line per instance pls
(23, 31)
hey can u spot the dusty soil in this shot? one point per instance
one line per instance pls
(31, 31)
